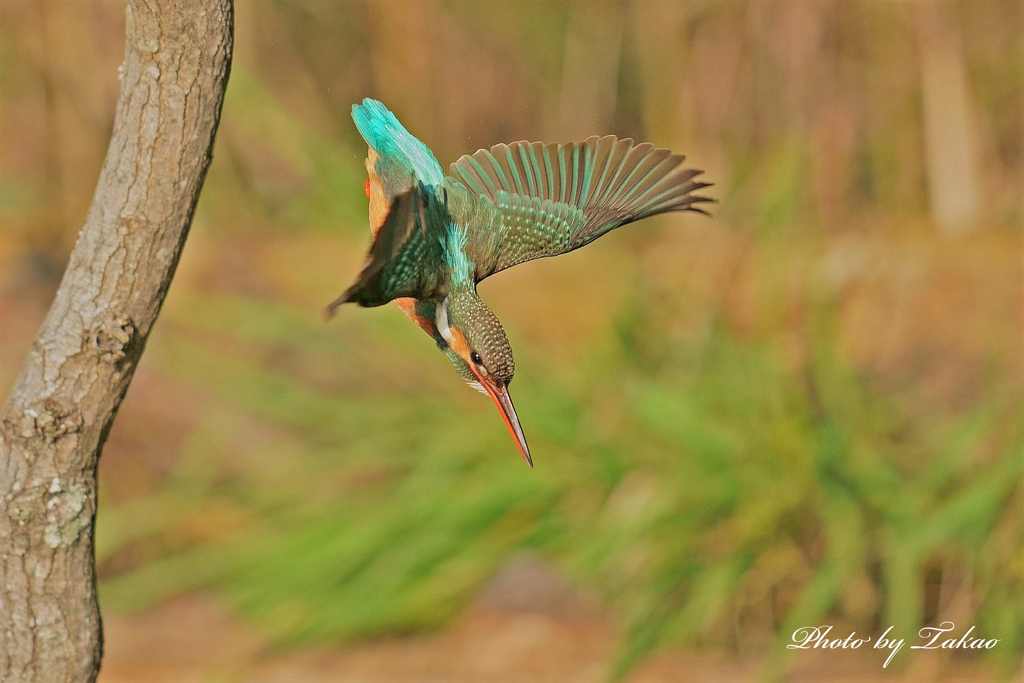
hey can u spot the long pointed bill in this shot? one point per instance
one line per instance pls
(508, 412)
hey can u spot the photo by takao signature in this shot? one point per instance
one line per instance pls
(932, 637)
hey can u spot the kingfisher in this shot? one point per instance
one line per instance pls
(436, 236)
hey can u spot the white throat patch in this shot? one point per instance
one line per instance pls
(441, 320)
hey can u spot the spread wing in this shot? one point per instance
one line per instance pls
(527, 200)
(400, 258)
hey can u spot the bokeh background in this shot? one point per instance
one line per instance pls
(805, 410)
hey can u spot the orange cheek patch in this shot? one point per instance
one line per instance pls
(459, 345)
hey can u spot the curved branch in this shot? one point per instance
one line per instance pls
(54, 423)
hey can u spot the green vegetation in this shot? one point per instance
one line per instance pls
(721, 490)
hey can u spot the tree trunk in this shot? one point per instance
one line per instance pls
(54, 423)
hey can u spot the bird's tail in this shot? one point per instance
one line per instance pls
(394, 144)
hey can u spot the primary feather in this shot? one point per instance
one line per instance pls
(530, 200)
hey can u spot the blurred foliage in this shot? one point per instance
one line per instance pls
(805, 409)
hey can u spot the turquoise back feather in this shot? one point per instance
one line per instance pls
(394, 144)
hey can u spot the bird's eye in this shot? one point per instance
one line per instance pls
(475, 357)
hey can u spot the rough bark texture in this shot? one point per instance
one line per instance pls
(53, 425)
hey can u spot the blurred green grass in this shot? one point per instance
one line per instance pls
(377, 510)
(805, 409)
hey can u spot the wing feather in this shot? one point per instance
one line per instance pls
(402, 248)
(541, 200)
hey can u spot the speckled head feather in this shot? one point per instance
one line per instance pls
(473, 324)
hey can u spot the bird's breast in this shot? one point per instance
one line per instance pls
(420, 312)
(375, 193)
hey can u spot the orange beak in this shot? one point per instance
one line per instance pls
(508, 412)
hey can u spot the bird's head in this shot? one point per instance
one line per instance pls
(478, 347)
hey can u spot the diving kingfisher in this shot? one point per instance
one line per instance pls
(436, 236)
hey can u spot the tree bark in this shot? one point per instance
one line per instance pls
(56, 419)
